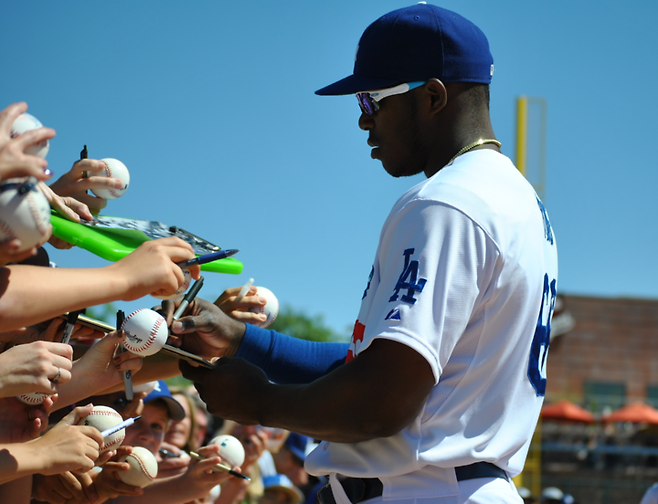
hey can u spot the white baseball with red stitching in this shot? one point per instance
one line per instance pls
(23, 216)
(143, 468)
(32, 399)
(146, 332)
(271, 308)
(103, 418)
(26, 122)
(113, 169)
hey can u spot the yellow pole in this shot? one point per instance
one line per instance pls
(521, 133)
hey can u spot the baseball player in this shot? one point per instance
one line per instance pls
(438, 393)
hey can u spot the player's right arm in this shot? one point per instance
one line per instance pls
(31, 294)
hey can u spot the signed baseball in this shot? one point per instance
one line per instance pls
(271, 308)
(26, 122)
(146, 332)
(143, 468)
(113, 169)
(103, 418)
(230, 449)
(182, 289)
(24, 213)
(32, 399)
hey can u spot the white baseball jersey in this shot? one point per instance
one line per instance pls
(651, 495)
(465, 273)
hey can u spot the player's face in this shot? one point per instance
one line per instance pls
(148, 432)
(394, 134)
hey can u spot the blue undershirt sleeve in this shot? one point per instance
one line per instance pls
(285, 359)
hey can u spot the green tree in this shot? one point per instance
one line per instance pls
(300, 325)
(105, 312)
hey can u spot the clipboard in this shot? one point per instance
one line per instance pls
(113, 238)
(98, 325)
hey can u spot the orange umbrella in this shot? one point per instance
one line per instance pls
(637, 413)
(567, 411)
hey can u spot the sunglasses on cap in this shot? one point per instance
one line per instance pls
(368, 100)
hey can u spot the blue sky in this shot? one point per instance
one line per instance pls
(211, 107)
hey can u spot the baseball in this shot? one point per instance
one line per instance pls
(144, 387)
(26, 122)
(103, 418)
(230, 449)
(24, 216)
(271, 308)
(146, 332)
(32, 399)
(143, 468)
(115, 169)
(182, 289)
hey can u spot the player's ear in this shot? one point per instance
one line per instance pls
(437, 93)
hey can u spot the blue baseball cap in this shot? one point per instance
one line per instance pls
(282, 482)
(161, 391)
(417, 43)
(297, 444)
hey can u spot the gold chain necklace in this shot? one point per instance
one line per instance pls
(469, 147)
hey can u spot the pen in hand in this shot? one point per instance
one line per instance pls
(213, 256)
(127, 375)
(189, 297)
(220, 467)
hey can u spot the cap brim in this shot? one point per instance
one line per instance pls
(353, 84)
(176, 411)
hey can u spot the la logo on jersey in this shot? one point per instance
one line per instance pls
(408, 283)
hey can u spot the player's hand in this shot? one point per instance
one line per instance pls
(224, 388)
(14, 162)
(67, 446)
(239, 309)
(152, 269)
(204, 329)
(32, 367)
(74, 183)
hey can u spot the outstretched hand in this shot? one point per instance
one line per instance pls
(204, 329)
(14, 162)
(151, 268)
(81, 178)
(238, 309)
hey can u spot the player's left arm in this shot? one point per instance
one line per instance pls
(375, 395)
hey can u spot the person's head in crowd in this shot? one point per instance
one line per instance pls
(551, 495)
(202, 417)
(159, 408)
(184, 434)
(278, 489)
(289, 460)
(526, 495)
